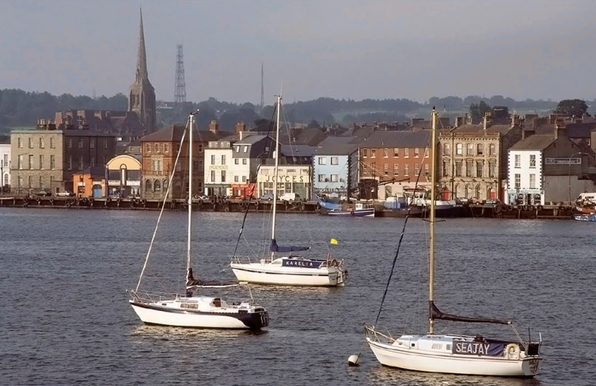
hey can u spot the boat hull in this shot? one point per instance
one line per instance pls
(585, 217)
(367, 212)
(152, 313)
(265, 273)
(417, 360)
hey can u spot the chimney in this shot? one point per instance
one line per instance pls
(528, 133)
(515, 120)
(486, 122)
(240, 127)
(459, 121)
(552, 119)
(214, 126)
(560, 130)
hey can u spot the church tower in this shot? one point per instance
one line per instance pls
(142, 94)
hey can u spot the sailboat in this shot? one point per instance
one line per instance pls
(453, 353)
(192, 309)
(288, 269)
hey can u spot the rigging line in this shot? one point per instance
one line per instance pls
(244, 219)
(401, 237)
(162, 209)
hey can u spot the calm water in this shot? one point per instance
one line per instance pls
(65, 317)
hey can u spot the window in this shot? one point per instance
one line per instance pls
(445, 168)
(322, 161)
(492, 149)
(70, 143)
(395, 152)
(42, 145)
(245, 148)
(236, 179)
(52, 162)
(41, 161)
(81, 163)
(480, 149)
(517, 181)
(532, 181)
(212, 159)
(52, 145)
(386, 169)
(395, 169)
(469, 167)
(243, 161)
(334, 178)
(165, 147)
(80, 143)
(30, 161)
(105, 144)
(385, 152)
(70, 162)
(237, 147)
(92, 143)
(148, 150)
(223, 176)
(533, 161)
(479, 168)
(373, 153)
(364, 153)
(406, 170)
(334, 160)
(236, 161)
(19, 143)
(470, 149)
(406, 152)
(243, 178)
(416, 152)
(459, 149)
(157, 186)
(148, 186)
(92, 161)
(458, 167)
(321, 177)
(30, 141)
(446, 149)
(517, 160)
(213, 176)
(223, 159)
(20, 161)
(416, 169)
(492, 167)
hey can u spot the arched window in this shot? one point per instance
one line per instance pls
(165, 185)
(480, 149)
(148, 186)
(492, 149)
(123, 175)
(477, 192)
(467, 191)
(446, 149)
(492, 168)
(157, 186)
(456, 191)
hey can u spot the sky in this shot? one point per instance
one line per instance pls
(352, 49)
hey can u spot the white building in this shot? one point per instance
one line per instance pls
(5, 167)
(218, 168)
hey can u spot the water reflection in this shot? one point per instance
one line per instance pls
(381, 375)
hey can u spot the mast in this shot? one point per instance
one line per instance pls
(431, 268)
(275, 172)
(191, 120)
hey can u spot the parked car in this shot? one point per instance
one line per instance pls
(42, 193)
(290, 197)
(267, 196)
(65, 193)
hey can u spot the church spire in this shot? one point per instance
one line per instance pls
(142, 94)
(142, 73)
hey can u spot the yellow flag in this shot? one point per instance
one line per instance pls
(333, 241)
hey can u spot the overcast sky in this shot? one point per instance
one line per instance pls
(342, 49)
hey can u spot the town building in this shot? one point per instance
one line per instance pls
(473, 159)
(45, 158)
(124, 176)
(90, 182)
(547, 168)
(142, 94)
(390, 162)
(5, 167)
(335, 169)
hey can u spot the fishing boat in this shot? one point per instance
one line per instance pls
(358, 209)
(282, 266)
(452, 353)
(192, 308)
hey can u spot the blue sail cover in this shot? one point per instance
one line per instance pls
(277, 248)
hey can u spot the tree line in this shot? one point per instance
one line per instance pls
(22, 108)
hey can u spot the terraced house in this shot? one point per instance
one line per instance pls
(473, 159)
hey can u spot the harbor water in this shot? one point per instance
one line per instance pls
(66, 320)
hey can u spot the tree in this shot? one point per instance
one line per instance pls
(572, 108)
(477, 111)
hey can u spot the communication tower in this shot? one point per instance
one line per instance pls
(180, 90)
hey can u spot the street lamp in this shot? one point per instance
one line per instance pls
(569, 174)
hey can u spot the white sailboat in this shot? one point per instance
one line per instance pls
(192, 309)
(288, 269)
(453, 353)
